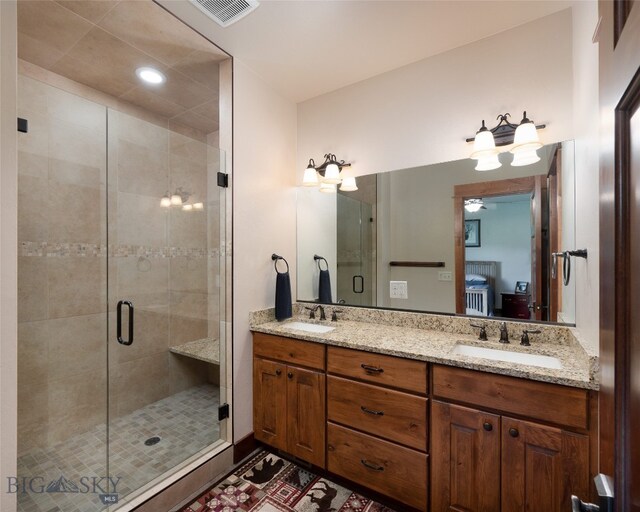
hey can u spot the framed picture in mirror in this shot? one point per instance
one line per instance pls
(472, 233)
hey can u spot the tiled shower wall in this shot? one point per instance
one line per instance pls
(161, 260)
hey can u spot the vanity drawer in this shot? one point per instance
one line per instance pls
(303, 353)
(394, 415)
(553, 403)
(397, 472)
(380, 369)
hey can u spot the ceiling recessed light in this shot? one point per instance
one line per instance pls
(151, 76)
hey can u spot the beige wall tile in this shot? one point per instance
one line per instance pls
(187, 229)
(33, 300)
(33, 415)
(64, 171)
(76, 214)
(37, 51)
(141, 220)
(77, 286)
(76, 403)
(75, 143)
(191, 175)
(33, 209)
(140, 382)
(30, 164)
(138, 276)
(185, 329)
(188, 274)
(186, 372)
(138, 131)
(77, 344)
(151, 337)
(37, 140)
(33, 353)
(189, 304)
(142, 170)
(32, 95)
(92, 11)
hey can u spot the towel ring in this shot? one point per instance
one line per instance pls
(276, 258)
(319, 259)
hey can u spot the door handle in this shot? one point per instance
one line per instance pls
(355, 290)
(122, 341)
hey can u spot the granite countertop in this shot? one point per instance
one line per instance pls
(579, 365)
(207, 350)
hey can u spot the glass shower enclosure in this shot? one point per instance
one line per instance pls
(122, 290)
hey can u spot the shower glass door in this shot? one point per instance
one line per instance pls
(166, 291)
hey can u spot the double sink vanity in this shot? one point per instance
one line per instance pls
(416, 408)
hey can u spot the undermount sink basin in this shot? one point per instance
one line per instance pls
(507, 356)
(303, 326)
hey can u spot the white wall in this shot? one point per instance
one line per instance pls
(8, 251)
(505, 237)
(587, 134)
(420, 114)
(264, 217)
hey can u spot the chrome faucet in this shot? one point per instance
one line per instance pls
(504, 333)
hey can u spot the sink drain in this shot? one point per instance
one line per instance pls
(152, 440)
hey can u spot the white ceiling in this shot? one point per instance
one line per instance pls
(305, 48)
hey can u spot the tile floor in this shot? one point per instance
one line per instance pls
(186, 423)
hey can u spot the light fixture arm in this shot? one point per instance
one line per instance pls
(329, 158)
(504, 131)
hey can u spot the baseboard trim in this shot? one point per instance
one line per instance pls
(244, 447)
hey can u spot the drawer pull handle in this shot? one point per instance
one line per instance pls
(513, 432)
(368, 464)
(371, 369)
(487, 426)
(369, 411)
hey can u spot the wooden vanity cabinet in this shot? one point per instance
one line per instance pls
(289, 398)
(377, 430)
(490, 461)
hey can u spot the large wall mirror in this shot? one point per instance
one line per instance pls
(446, 238)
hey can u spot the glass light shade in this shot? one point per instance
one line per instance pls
(328, 188)
(151, 76)
(488, 163)
(332, 174)
(527, 157)
(176, 200)
(198, 206)
(187, 207)
(349, 185)
(310, 178)
(484, 145)
(526, 138)
(165, 202)
(473, 205)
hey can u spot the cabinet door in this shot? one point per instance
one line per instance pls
(306, 414)
(270, 402)
(542, 466)
(465, 467)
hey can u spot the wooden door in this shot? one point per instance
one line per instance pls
(465, 463)
(306, 414)
(619, 68)
(542, 467)
(270, 403)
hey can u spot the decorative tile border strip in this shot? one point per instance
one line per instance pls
(63, 250)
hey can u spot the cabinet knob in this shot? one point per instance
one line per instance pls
(487, 426)
(513, 432)
(290, 375)
(278, 372)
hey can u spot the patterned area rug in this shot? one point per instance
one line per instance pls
(268, 483)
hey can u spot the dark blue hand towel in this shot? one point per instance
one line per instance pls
(283, 296)
(324, 288)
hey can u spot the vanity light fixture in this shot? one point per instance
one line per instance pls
(178, 198)
(523, 136)
(328, 175)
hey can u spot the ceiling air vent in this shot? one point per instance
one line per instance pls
(225, 12)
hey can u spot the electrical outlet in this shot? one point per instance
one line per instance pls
(445, 276)
(398, 290)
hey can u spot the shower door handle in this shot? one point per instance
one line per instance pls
(353, 284)
(129, 304)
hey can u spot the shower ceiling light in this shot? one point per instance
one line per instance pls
(328, 175)
(524, 137)
(151, 76)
